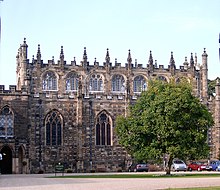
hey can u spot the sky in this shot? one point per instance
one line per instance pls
(160, 26)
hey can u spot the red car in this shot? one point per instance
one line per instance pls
(199, 166)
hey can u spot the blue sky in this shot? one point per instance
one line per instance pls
(182, 26)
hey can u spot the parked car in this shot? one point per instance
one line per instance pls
(178, 165)
(194, 166)
(199, 166)
(143, 167)
(215, 164)
(218, 168)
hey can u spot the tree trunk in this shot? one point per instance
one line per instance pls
(169, 164)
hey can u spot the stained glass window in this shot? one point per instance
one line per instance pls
(54, 125)
(103, 130)
(139, 84)
(96, 83)
(118, 83)
(72, 82)
(6, 122)
(49, 81)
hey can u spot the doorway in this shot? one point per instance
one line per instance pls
(6, 162)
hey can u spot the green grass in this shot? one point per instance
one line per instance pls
(137, 176)
(132, 175)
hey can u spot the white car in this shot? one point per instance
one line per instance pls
(218, 168)
(178, 165)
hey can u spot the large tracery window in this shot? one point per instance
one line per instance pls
(54, 124)
(6, 122)
(103, 130)
(72, 82)
(118, 83)
(139, 84)
(96, 83)
(49, 81)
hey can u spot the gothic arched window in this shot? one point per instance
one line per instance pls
(103, 130)
(6, 122)
(139, 84)
(54, 125)
(49, 81)
(96, 83)
(162, 78)
(72, 81)
(118, 83)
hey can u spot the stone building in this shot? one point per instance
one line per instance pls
(61, 112)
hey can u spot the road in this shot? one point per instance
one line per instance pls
(40, 181)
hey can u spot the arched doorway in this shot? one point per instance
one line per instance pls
(6, 162)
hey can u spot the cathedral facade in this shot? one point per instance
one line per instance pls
(66, 113)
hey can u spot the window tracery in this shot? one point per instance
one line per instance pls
(49, 81)
(72, 82)
(118, 83)
(54, 124)
(139, 84)
(6, 122)
(103, 130)
(96, 83)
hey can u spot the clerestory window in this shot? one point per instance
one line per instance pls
(118, 83)
(6, 122)
(139, 84)
(96, 83)
(49, 81)
(72, 82)
(54, 125)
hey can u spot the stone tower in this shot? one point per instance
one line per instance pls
(204, 76)
(22, 66)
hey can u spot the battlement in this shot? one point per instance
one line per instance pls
(12, 90)
(116, 65)
(32, 75)
(150, 63)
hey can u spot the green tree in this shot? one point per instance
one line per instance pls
(211, 87)
(166, 119)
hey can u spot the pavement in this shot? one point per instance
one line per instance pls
(43, 182)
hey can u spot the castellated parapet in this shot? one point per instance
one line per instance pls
(29, 72)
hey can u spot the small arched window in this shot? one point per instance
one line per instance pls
(162, 78)
(54, 125)
(96, 83)
(139, 84)
(118, 83)
(103, 130)
(49, 81)
(72, 82)
(178, 80)
(6, 122)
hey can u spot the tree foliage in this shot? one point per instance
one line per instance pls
(166, 119)
(211, 87)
